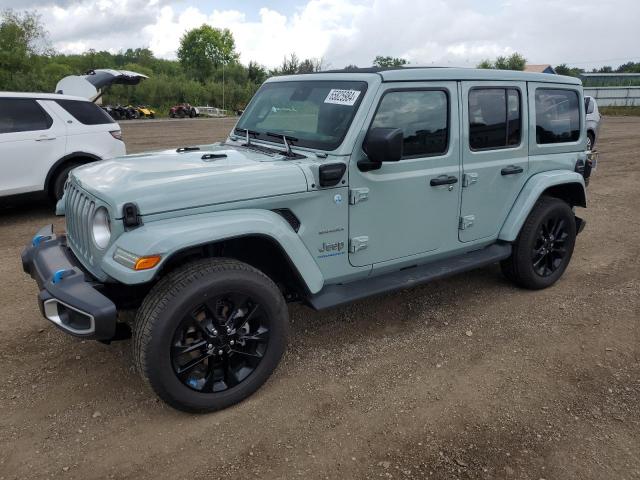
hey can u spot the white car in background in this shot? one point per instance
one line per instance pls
(593, 121)
(44, 136)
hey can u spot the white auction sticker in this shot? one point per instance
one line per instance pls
(342, 97)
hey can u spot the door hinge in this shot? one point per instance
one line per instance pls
(357, 195)
(469, 179)
(358, 243)
(466, 222)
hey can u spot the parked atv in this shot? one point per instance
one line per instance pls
(132, 112)
(183, 110)
(112, 112)
(146, 112)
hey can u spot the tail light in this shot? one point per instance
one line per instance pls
(117, 134)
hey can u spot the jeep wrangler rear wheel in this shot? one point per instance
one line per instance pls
(210, 334)
(544, 246)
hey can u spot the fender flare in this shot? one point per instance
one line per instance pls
(530, 194)
(170, 236)
(66, 158)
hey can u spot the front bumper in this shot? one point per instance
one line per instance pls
(68, 296)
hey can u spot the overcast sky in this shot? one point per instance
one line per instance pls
(582, 33)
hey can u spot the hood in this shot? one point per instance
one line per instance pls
(174, 179)
(88, 85)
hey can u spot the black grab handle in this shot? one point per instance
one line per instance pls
(511, 170)
(443, 180)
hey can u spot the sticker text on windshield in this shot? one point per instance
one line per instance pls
(342, 97)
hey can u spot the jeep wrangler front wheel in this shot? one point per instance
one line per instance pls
(544, 246)
(210, 334)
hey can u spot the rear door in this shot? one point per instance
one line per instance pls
(410, 207)
(495, 157)
(88, 128)
(31, 140)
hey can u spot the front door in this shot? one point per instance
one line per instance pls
(494, 155)
(409, 207)
(30, 142)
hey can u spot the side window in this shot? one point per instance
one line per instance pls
(494, 118)
(557, 116)
(423, 116)
(87, 113)
(22, 115)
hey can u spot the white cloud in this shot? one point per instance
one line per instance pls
(443, 32)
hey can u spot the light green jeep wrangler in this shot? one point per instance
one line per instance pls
(331, 188)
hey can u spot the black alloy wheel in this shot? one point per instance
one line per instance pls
(210, 333)
(220, 343)
(544, 247)
(550, 249)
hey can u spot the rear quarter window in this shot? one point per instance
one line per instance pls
(87, 113)
(557, 116)
(22, 115)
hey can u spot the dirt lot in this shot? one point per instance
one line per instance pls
(464, 378)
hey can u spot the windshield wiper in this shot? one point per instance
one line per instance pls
(248, 134)
(284, 138)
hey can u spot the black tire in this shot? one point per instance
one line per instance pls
(543, 249)
(57, 186)
(192, 113)
(591, 140)
(176, 308)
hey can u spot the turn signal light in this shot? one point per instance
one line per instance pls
(145, 263)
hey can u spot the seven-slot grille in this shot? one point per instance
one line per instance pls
(79, 209)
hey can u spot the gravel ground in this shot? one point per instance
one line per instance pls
(467, 378)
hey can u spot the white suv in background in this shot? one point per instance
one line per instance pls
(44, 136)
(593, 121)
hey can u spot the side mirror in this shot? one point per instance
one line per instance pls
(381, 145)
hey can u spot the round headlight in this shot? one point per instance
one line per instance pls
(101, 228)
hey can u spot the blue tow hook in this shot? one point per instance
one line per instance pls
(37, 240)
(60, 274)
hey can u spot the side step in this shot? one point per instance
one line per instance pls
(334, 295)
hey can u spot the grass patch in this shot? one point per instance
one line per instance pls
(620, 111)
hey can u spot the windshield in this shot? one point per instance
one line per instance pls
(313, 114)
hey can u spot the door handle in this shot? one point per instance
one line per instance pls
(511, 170)
(443, 180)
(44, 139)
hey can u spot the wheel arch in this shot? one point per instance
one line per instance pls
(262, 252)
(77, 157)
(260, 238)
(566, 185)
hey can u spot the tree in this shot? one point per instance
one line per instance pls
(22, 39)
(485, 64)
(515, 61)
(351, 68)
(629, 67)
(564, 69)
(387, 62)
(256, 72)
(204, 49)
(310, 65)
